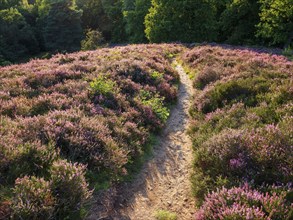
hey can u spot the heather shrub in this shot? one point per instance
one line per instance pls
(261, 155)
(29, 159)
(245, 203)
(222, 159)
(87, 108)
(241, 132)
(33, 199)
(69, 187)
(206, 76)
(225, 93)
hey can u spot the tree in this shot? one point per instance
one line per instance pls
(185, 20)
(134, 14)
(6, 4)
(113, 9)
(276, 22)
(63, 27)
(16, 36)
(238, 22)
(92, 41)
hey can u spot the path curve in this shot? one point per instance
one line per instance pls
(164, 181)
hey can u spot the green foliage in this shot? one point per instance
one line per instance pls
(16, 36)
(157, 75)
(134, 14)
(276, 22)
(186, 21)
(63, 27)
(102, 85)
(95, 17)
(165, 215)
(93, 40)
(113, 9)
(237, 22)
(156, 102)
(288, 52)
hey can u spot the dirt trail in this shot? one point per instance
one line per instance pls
(164, 181)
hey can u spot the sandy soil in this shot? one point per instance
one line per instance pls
(164, 181)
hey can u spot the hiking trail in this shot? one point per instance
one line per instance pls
(164, 181)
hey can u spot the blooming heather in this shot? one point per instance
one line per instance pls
(241, 130)
(80, 113)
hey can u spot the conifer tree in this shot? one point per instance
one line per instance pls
(63, 27)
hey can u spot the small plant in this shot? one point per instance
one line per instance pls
(165, 215)
(157, 75)
(156, 102)
(102, 85)
(94, 39)
(33, 199)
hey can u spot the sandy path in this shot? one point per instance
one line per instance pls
(164, 182)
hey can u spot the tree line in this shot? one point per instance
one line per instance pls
(29, 27)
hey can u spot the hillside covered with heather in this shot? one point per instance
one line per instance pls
(241, 129)
(77, 128)
(87, 115)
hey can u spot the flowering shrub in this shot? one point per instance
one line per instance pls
(69, 187)
(84, 107)
(245, 203)
(33, 199)
(241, 131)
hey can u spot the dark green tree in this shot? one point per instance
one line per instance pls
(95, 17)
(185, 20)
(276, 22)
(134, 15)
(6, 4)
(114, 11)
(16, 36)
(238, 22)
(63, 27)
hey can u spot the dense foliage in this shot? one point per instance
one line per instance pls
(77, 116)
(242, 133)
(186, 21)
(32, 27)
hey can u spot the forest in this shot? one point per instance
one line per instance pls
(39, 28)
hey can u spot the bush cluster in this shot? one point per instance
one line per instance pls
(87, 114)
(242, 132)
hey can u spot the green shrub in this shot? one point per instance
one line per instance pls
(94, 39)
(156, 102)
(32, 199)
(165, 215)
(102, 85)
(157, 75)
